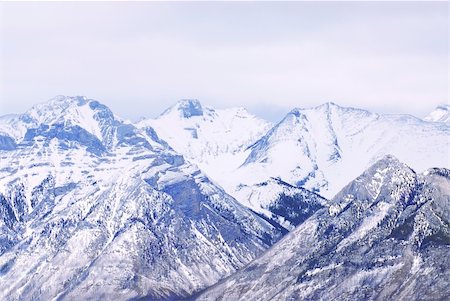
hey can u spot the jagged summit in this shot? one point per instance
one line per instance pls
(77, 99)
(73, 120)
(186, 108)
(79, 111)
(327, 111)
(93, 207)
(61, 105)
(203, 134)
(60, 101)
(318, 147)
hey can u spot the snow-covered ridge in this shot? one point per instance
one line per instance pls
(359, 251)
(76, 119)
(185, 108)
(72, 111)
(324, 147)
(214, 139)
(92, 207)
(440, 114)
(320, 148)
(78, 110)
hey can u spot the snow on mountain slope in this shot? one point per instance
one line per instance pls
(213, 139)
(76, 112)
(320, 149)
(323, 148)
(288, 205)
(95, 208)
(440, 114)
(385, 236)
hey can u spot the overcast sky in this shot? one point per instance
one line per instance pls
(140, 57)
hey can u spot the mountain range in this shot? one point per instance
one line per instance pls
(93, 207)
(96, 207)
(320, 149)
(385, 236)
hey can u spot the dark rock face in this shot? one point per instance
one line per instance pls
(7, 143)
(190, 107)
(385, 236)
(67, 134)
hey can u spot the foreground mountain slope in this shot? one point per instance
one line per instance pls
(385, 236)
(94, 208)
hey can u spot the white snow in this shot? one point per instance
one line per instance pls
(205, 139)
(440, 114)
(369, 223)
(322, 148)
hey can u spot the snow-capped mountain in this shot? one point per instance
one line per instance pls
(440, 114)
(320, 149)
(325, 147)
(385, 236)
(214, 139)
(95, 207)
(92, 207)
(74, 111)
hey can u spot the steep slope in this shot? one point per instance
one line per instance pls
(323, 148)
(281, 202)
(213, 139)
(440, 114)
(385, 236)
(319, 149)
(70, 111)
(94, 208)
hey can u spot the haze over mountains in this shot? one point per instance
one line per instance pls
(93, 206)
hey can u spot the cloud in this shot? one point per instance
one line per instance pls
(140, 57)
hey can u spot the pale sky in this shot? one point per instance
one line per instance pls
(140, 57)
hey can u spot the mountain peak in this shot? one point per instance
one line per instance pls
(387, 162)
(297, 112)
(186, 108)
(59, 102)
(390, 160)
(63, 107)
(79, 99)
(327, 105)
(71, 113)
